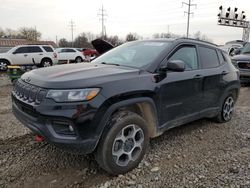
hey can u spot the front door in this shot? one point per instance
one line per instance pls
(181, 92)
(20, 56)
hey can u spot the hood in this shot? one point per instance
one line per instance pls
(77, 75)
(241, 57)
(101, 46)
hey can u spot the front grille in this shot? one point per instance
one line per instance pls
(244, 65)
(29, 93)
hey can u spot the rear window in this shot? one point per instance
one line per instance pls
(34, 49)
(209, 58)
(48, 49)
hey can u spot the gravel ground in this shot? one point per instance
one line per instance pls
(199, 154)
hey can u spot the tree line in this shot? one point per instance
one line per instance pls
(83, 40)
(27, 33)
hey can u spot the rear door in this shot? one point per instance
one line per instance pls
(181, 92)
(35, 54)
(212, 71)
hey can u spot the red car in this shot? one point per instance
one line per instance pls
(89, 52)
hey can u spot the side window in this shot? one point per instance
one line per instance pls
(209, 58)
(226, 57)
(47, 48)
(34, 49)
(188, 55)
(221, 58)
(21, 50)
(70, 50)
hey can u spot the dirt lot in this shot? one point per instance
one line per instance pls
(200, 154)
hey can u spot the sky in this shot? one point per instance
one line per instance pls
(144, 17)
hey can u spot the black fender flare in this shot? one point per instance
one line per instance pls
(124, 103)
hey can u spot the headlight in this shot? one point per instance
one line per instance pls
(73, 95)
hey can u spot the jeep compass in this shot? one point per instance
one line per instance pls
(114, 105)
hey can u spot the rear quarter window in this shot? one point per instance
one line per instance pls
(48, 49)
(34, 49)
(209, 57)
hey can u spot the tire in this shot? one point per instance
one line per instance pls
(123, 143)
(46, 63)
(78, 60)
(4, 65)
(227, 109)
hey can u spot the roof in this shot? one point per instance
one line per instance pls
(15, 42)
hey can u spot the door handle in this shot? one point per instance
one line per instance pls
(40, 54)
(25, 55)
(198, 76)
(224, 72)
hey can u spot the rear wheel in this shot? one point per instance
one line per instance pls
(4, 64)
(227, 109)
(123, 143)
(78, 60)
(46, 63)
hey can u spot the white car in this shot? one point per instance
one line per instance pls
(40, 55)
(69, 55)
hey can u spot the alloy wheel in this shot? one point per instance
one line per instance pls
(228, 108)
(128, 145)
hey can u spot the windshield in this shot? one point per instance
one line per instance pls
(246, 49)
(134, 54)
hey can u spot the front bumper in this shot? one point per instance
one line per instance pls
(43, 120)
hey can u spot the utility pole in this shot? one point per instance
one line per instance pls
(72, 27)
(102, 14)
(168, 29)
(188, 13)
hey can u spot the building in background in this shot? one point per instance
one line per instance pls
(6, 44)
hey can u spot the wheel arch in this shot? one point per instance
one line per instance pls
(143, 106)
(6, 59)
(46, 58)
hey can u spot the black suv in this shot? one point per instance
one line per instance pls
(242, 62)
(114, 105)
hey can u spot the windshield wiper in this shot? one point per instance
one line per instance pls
(110, 63)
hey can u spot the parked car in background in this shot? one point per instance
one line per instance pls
(41, 55)
(71, 55)
(90, 52)
(242, 62)
(113, 106)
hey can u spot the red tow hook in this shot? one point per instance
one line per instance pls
(39, 138)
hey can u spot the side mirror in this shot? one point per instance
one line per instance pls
(14, 53)
(236, 51)
(174, 65)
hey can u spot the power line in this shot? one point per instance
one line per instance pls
(72, 27)
(188, 13)
(102, 13)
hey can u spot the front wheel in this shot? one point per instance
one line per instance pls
(123, 143)
(4, 65)
(227, 109)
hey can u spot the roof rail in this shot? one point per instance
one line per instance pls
(199, 40)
